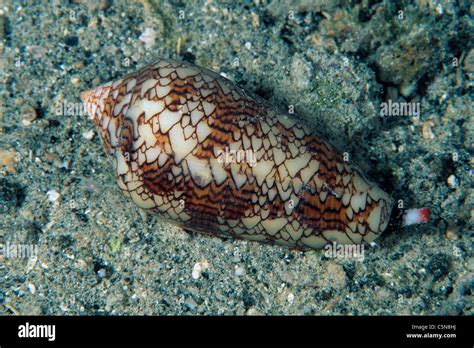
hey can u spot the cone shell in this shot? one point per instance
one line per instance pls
(190, 146)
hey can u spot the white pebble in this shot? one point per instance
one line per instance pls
(32, 288)
(88, 135)
(148, 37)
(199, 268)
(53, 195)
(248, 45)
(75, 81)
(101, 273)
(422, 271)
(291, 298)
(452, 181)
(239, 270)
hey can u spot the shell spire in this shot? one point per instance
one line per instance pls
(95, 102)
(192, 147)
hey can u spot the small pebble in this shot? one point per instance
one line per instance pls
(80, 264)
(199, 268)
(291, 298)
(79, 64)
(148, 37)
(452, 181)
(27, 214)
(469, 62)
(191, 304)
(8, 158)
(101, 273)
(240, 270)
(28, 115)
(301, 72)
(408, 88)
(470, 264)
(75, 80)
(253, 311)
(426, 131)
(31, 288)
(451, 231)
(88, 134)
(53, 195)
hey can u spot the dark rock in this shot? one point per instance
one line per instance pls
(439, 265)
(12, 195)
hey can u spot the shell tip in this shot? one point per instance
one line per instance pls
(85, 95)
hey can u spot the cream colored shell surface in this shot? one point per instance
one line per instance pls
(196, 149)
